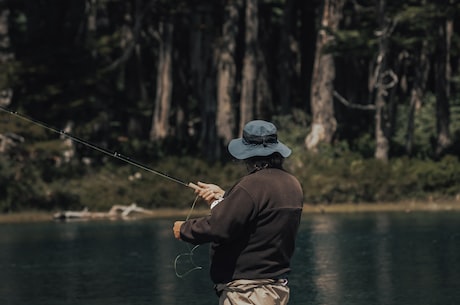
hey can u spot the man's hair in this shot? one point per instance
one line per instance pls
(274, 160)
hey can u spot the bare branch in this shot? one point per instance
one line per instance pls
(134, 37)
(352, 105)
(393, 81)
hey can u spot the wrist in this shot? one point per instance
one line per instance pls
(216, 202)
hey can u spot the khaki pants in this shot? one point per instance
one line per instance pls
(253, 292)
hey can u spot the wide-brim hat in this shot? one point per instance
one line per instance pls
(259, 139)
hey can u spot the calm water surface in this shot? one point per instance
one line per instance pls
(356, 259)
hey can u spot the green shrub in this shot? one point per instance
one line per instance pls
(350, 178)
(333, 175)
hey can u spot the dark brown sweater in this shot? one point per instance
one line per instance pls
(252, 231)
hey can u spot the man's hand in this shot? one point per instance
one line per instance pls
(209, 192)
(176, 229)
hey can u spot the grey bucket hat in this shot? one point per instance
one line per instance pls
(259, 139)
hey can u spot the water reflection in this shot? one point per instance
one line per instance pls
(380, 259)
(325, 256)
(340, 259)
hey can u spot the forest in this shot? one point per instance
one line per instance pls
(366, 93)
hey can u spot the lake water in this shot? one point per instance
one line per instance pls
(359, 259)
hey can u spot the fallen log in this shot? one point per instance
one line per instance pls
(117, 211)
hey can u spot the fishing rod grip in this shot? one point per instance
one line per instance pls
(193, 186)
(196, 187)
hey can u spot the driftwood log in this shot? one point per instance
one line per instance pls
(117, 211)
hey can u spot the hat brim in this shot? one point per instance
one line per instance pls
(242, 151)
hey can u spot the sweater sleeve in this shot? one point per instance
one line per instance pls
(226, 222)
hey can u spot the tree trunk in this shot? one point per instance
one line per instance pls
(324, 123)
(422, 68)
(226, 72)
(289, 57)
(91, 16)
(382, 144)
(308, 15)
(442, 72)
(264, 107)
(160, 121)
(249, 64)
(203, 79)
(6, 93)
(380, 86)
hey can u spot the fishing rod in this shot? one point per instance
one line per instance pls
(112, 154)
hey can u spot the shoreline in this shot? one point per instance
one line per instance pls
(404, 207)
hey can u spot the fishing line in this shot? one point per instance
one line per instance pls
(132, 162)
(112, 154)
(190, 252)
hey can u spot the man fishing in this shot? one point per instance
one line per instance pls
(253, 226)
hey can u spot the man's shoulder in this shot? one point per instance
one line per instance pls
(267, 177)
